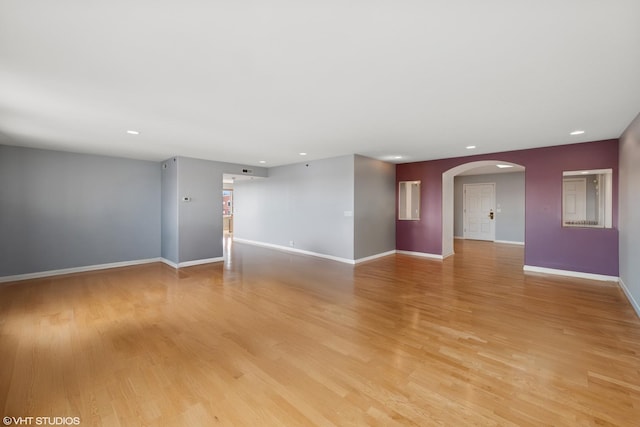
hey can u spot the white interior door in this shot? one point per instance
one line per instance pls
(479, 211)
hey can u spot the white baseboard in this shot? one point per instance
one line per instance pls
(293, 250)
(569, 273)
(191, 263)
(169, 263)
(199, 262)
(380, 255)
(510, 242)
(316, 254)
(51, 273)
(630, 297)
(421, 254)
(83, 269)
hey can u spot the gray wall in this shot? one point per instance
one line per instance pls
(510, 197)
(170, 210)
(592, 198)
(374, 213)
(300, 203)
(629, 209)
(61, 210)
(200, 220)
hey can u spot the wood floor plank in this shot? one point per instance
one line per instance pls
(270, 338)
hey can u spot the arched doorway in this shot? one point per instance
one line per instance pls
(448, 199)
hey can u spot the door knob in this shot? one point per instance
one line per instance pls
(491, 214)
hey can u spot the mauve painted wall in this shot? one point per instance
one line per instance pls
(547, 243)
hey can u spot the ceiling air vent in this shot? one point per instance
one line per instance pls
(247, 171)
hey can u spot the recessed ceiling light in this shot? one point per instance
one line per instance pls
(504, 166)
(303, 154)
(577, 132)
(133, 132)
(397, 157)
(262, 162)
(470, 147)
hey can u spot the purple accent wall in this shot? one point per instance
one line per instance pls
(547, 243)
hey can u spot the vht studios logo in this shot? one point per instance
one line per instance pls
(41, 421)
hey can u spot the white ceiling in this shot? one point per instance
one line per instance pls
(247, 80)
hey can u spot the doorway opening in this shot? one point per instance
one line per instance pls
(227, 211)
(228, 182)
(490, 212)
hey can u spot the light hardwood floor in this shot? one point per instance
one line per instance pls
(269, 338)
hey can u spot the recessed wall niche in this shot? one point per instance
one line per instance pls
(409, 200)
(587, 198)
